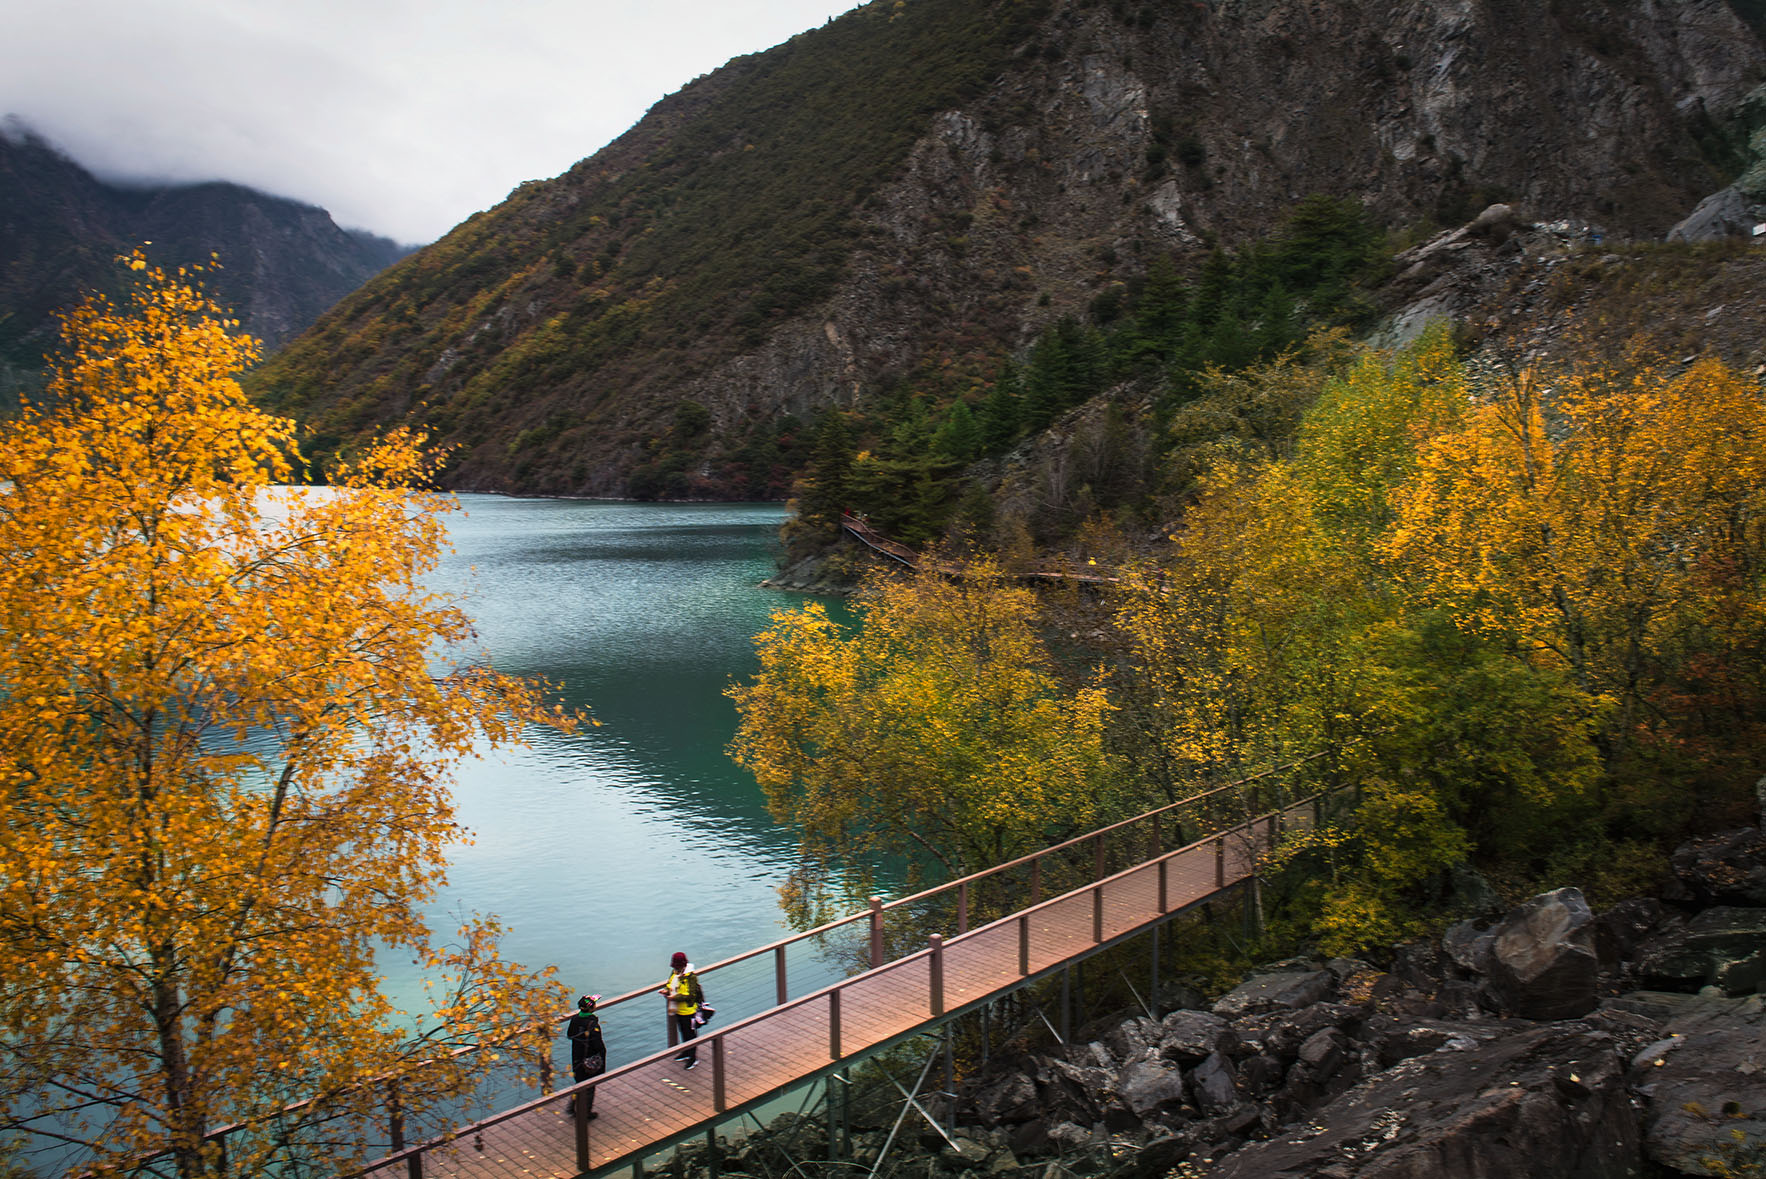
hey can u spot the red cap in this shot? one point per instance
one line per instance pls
(678, 961)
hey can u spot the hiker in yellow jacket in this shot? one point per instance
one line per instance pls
(684, 997)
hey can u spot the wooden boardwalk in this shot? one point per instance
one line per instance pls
(1052, 570)
(655, 1101)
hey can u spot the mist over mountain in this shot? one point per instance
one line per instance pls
(61, 228)
(905, 197)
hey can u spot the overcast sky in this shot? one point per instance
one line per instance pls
(399, 116)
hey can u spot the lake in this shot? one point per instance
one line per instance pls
(606, 850)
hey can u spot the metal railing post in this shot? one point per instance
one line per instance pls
(1220, 860)
(1165, 885)
(1097, 913)
(937, 941)
(580, 1112)
(779, 974)
(876, 932)
(1036, 881)
(1097, 843)
(414, 1166)
(963, 908)
(717, 1073)
(834, 1024)
(1158, 837)
(1023, 945)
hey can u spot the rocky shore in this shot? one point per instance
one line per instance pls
(1548, 1040)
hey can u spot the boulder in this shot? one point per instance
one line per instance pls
(1134, 1038)
(1324, 1053)
(1420, 964)
(1011, 1098)
(1188, 1037)
(1283, 1032)
(1071, 1093)
(1540, 1101)
(1288, 990)
(1726, 213)
(1620, 930)
(1706, 1085)
(1723, 947)
(1727, 869)
(1149, 1087)
(1468, 947)
(1214, 1086)
(1543, 960)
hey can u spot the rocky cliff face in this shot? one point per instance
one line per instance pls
(60, 229)
(1107, 136)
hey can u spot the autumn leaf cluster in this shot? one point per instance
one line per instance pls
(228, 708)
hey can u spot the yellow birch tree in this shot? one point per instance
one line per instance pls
(1611, 524)
(935, 731)
(227, 721)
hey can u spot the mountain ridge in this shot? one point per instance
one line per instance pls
(283, 262)
(659, 309)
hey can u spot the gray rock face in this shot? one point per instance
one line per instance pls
(1289, 990)
(1134, 1038)
(1189, 1037)
(1726, 213)
(1148, 1086)
(1214, 1086)
(1468, 947)
(1543, 960)
(1727, 869)
(1723, 947)
(1705, 1083)
(1541, 1101)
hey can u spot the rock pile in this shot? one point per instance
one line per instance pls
(1552, 1041)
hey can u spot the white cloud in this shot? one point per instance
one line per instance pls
(400, 116)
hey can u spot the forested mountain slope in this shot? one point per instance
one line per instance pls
(898, 200)
(61, 229)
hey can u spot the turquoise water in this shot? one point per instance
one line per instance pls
(606, 850)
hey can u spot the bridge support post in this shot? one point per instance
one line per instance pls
(711, 1159)
(1153, 991)
(937, 941)
(1066, 1004)
(580, 1115)
(950, 1084)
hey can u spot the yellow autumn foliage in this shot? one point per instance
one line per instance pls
(226, 725)
(934, 732)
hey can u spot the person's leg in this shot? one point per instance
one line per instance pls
(689, 1050)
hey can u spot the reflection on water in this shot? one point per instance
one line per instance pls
(605, 851)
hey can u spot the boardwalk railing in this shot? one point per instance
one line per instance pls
(1053, 569)
(1130, 881)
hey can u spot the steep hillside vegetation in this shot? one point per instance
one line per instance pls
(895, 203)
(61, 230)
